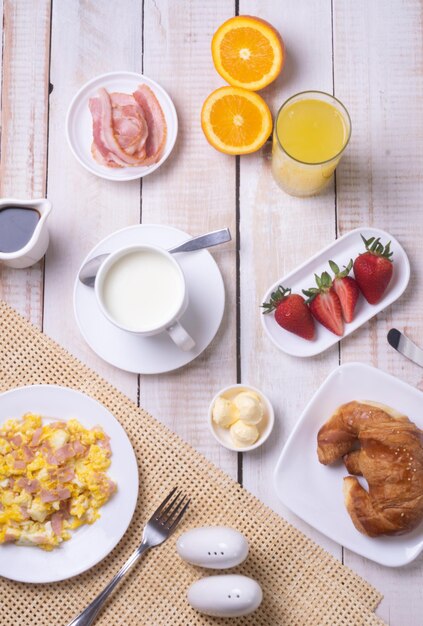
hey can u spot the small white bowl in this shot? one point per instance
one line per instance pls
(79, 131)
(223, 436)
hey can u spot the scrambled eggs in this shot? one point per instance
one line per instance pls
(52, 479)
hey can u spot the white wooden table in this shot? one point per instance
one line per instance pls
(369, 53)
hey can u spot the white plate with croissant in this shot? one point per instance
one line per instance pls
(353, 466)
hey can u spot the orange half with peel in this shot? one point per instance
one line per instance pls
(248, 52)
(236, 121)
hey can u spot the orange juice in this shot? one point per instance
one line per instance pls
(311, 131)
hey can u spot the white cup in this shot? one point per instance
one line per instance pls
(115, 292)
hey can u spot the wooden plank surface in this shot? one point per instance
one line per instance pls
(86, 41)
(194, 191)
(371, 54)
(378, 54)
(23, 149)
(278, 232)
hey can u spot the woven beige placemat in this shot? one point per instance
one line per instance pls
(302, 584)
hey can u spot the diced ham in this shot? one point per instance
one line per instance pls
(16, 440)
(19, 465)
(48, 496)
(57, 523)
(79, 448)
(29, 455)
(64, 453)
(36, 437)
(105, 443)
(66, 475)
(156, 122)
(31, 486)
(111, 487)
(65, 509)
(24, 512)
(63, 494)
(51, 458)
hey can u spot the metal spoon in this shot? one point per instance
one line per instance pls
(89, 271)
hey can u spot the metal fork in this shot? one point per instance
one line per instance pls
(158, 528)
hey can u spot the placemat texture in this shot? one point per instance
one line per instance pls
(302, 584)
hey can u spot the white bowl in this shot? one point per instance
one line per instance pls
(223, 436)
(79, 126)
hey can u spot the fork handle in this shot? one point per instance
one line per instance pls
(88, 615)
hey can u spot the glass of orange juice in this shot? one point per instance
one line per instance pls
(311, 132)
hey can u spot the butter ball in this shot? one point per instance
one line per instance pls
(243, 434)
(250, 407)
(224, 412)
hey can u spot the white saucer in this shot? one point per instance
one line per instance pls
(79, 126)
(158, 354)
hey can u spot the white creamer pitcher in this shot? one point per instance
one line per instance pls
(36, 246)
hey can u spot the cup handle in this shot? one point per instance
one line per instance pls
(180, 336)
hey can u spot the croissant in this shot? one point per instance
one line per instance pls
(385, 448)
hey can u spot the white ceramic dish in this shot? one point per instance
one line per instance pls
(158, 354)
(89, 544)
(223, 436)
(340, 251)
(314, 491)
(79, 131)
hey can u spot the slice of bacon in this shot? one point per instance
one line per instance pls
(104, 136)
(129, 124)
(156, 122)
(128, 130)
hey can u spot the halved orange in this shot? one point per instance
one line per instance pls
(236, 121)
(248, 52)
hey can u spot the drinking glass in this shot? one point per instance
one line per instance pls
(302, 178)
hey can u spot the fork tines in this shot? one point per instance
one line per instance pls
(169, 514)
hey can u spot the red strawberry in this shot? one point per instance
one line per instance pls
(346, 289)
(291, 312)
(325, 305)
(373, 269)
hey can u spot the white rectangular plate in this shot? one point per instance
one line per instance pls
(314, 491)
(341, 251)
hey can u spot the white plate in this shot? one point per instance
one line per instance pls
(341, 251)
(314, 491)
(158, 354)
(89, 543)
(79, 126)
